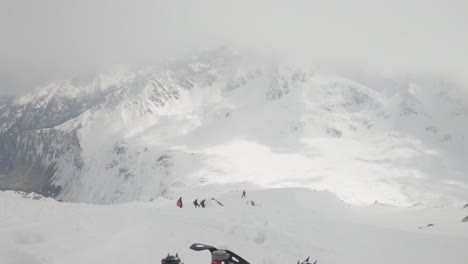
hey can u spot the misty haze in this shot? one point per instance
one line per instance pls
(273, 131)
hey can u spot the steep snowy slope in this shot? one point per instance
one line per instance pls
(229, 120)
(31, 149)
(290, 224)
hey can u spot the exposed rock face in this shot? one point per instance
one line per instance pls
(32, 149)
(29, 160)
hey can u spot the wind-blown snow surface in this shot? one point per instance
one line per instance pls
(229, 120)
(290, 224)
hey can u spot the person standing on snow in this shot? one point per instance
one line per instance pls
(202, 203)
(243, 194)
(179, 203)
(195, 203)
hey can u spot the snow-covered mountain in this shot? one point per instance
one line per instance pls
(4, 101)
(234, 121)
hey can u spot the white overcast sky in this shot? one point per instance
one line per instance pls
(49, 39)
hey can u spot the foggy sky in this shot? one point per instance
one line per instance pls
(49, 39)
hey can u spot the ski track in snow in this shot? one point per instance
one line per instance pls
(290, 224)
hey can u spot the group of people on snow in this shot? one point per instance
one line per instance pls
(180, 204)
(197, 205)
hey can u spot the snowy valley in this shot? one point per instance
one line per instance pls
(228, 120)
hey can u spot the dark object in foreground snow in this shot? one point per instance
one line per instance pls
(171, 259)
(219, 256)
(429, 225)
(465, 219)
(466, 206)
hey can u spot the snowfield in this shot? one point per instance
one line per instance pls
(288, 225)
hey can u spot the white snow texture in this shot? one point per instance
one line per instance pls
(285, 226)
(312, 149)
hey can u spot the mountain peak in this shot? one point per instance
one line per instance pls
(225, 118)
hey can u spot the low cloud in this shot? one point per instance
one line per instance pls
(49, 39)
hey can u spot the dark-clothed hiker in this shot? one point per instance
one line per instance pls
(195, 203)
(202, 203)
(243, 194)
